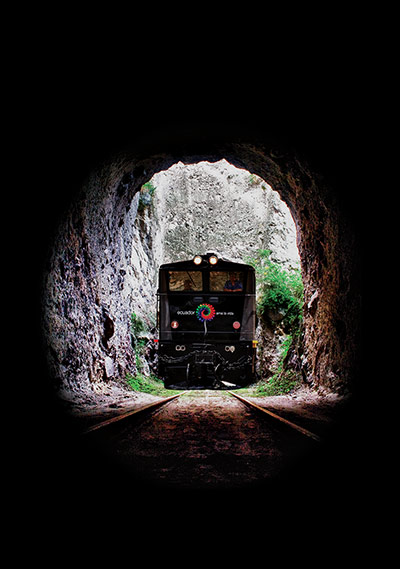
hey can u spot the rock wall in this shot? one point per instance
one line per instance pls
(218, 207)
(88, 294)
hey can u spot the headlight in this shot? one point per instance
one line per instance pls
(213, 260)
(197, 260)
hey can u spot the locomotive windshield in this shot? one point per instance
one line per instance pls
(219, 281)
(185, 280)
(226, 281)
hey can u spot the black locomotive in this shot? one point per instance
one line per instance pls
(206, 320)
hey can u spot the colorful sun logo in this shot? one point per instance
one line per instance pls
(205, 312)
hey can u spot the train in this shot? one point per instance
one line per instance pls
(206, 319)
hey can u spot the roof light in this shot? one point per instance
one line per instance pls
(213, 260)
(197, 260)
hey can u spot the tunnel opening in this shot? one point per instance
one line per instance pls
(179, 212)
(88, 315)
(190, 209)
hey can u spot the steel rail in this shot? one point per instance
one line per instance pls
(275, 416)
(135, 411)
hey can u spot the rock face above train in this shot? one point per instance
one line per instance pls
(218, 207)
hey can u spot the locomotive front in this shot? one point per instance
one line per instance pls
(206, 320)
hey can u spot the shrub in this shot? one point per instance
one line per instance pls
(137, 326)
(279, 383)
(140, 381)
(284, 379)
(280, 290)
(146, 196)
(144, 384)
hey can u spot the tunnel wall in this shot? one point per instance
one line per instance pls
(87, 298)
(87, 325)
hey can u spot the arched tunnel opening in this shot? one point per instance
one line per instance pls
(179, 213)
(98, 285)
(88, 292)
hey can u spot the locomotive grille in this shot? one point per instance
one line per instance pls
(204, 358)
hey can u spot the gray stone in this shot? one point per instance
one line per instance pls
(109, 367)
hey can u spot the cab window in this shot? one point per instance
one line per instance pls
(180, 281)
(227, 281)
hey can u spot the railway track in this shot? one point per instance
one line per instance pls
(290, 424)
(134, 412)
(152, 406)
(202, 441)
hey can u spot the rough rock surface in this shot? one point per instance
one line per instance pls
(87, 297)
(220, 208)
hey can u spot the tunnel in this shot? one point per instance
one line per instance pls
(90, 188)
(84, 284)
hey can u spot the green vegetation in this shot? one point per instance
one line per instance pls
(148, 384)
(280, 290)
(138, 328)
(280, 299)
(284, 379)
(146, 196)
(141, 382)
(279, 383)
(255, 180)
